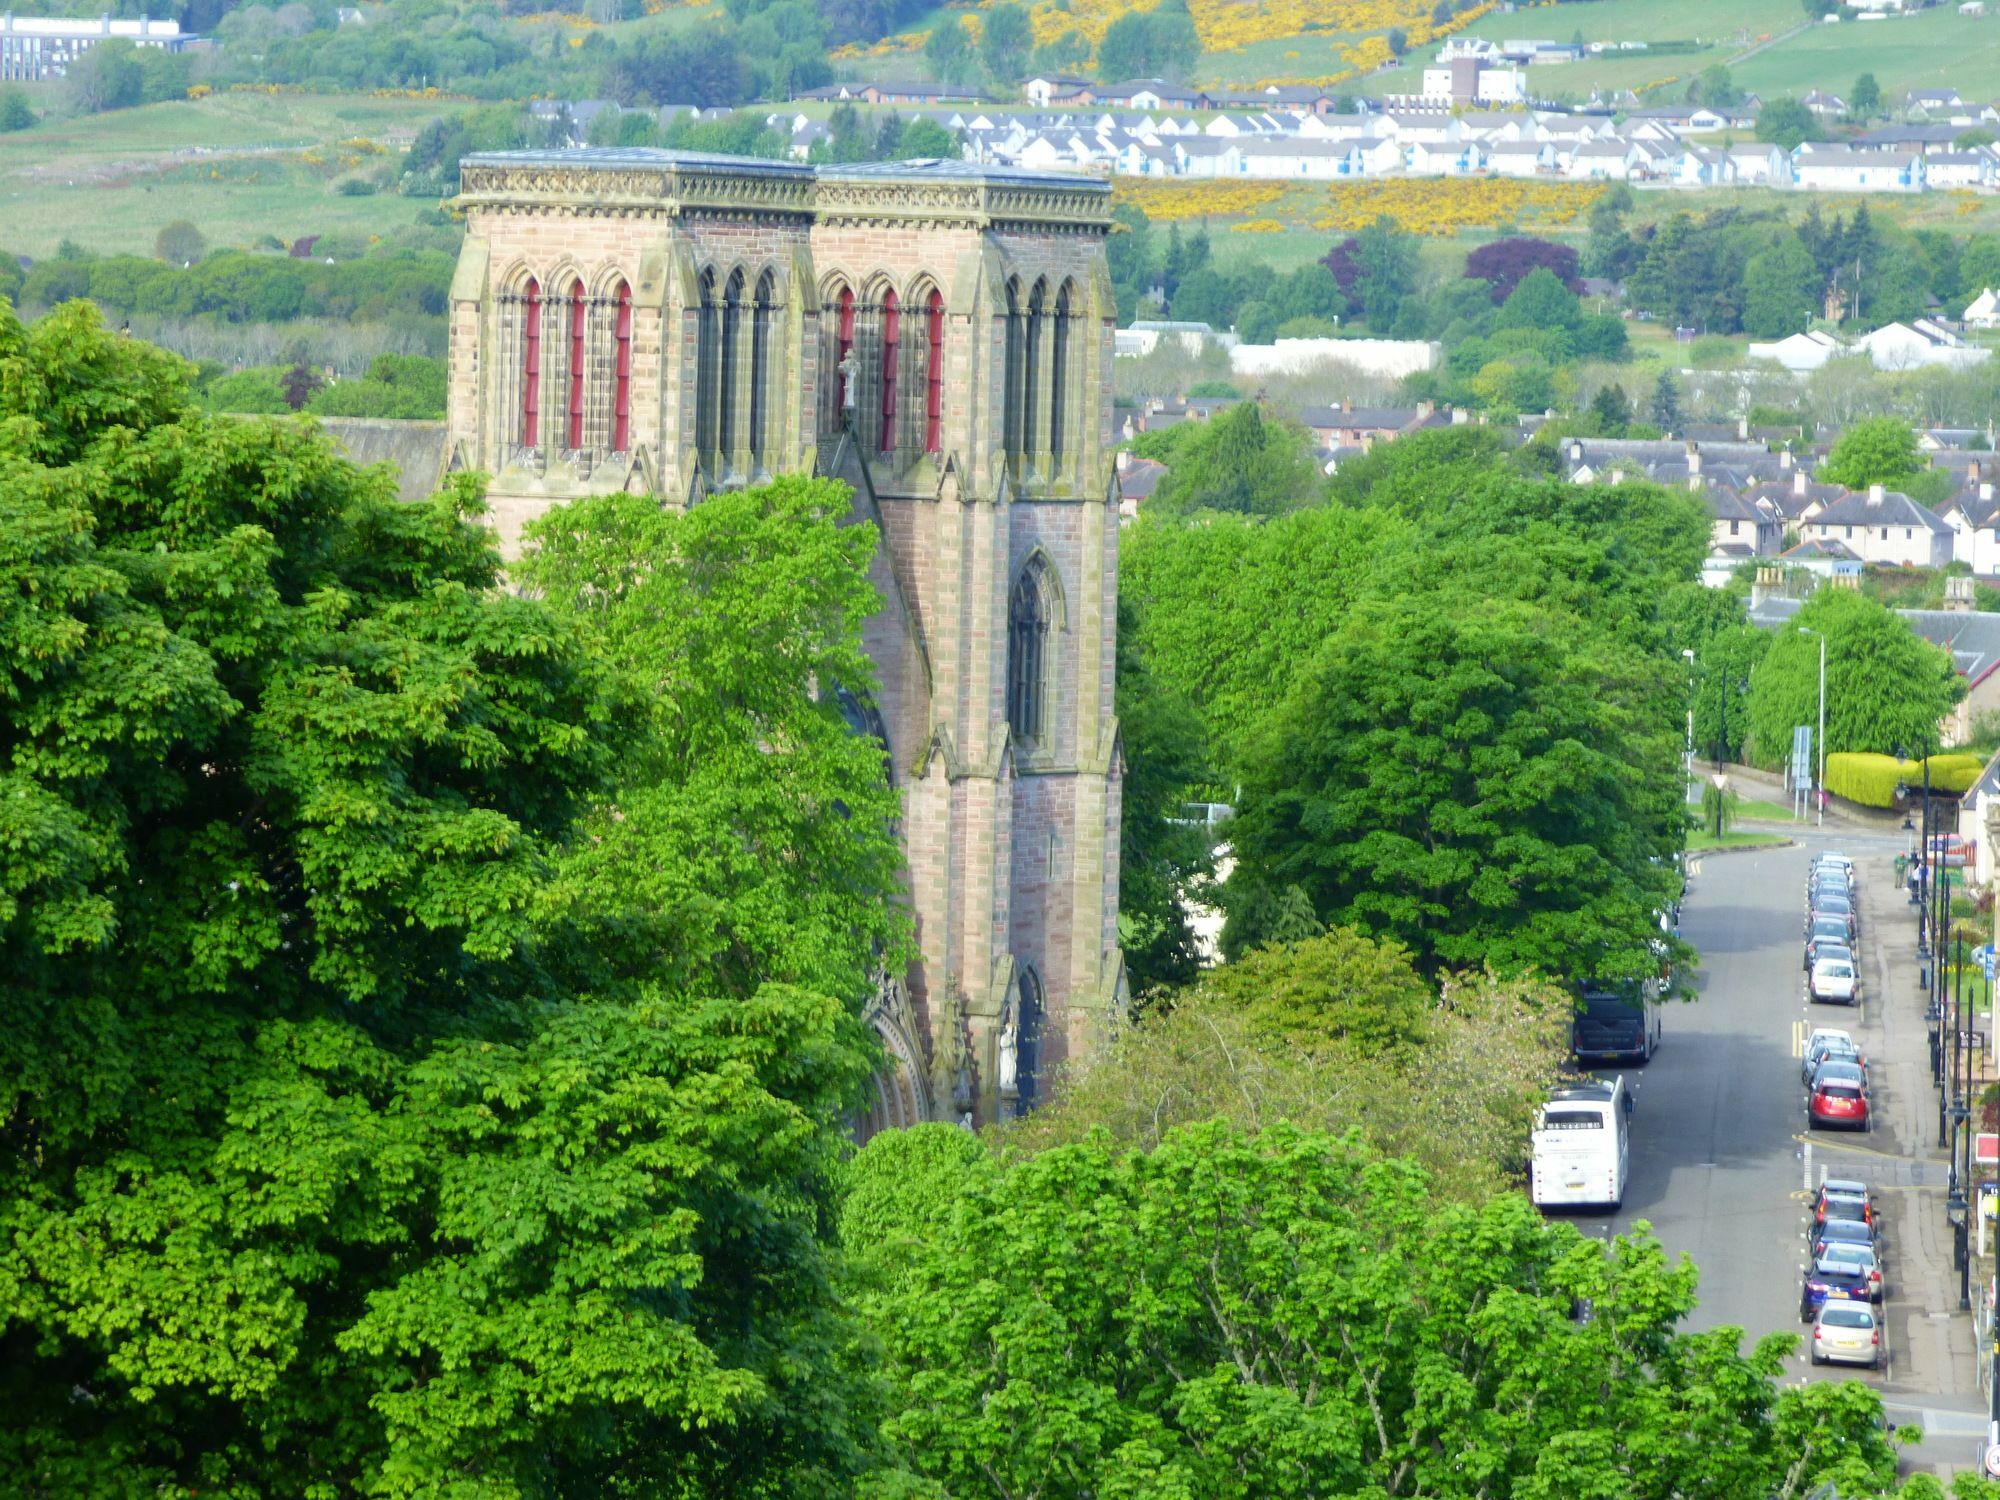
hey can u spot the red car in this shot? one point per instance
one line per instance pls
(1836, 1102)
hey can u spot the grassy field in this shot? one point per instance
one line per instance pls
(234, 163)
(1932, 49)
(1721, 28)
(1764, 812)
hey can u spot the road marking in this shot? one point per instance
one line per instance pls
(1833, 1145)
(1798, 1038)
(1805, 1157)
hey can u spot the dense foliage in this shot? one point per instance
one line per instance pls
(1284, 1313)
(417, 1074)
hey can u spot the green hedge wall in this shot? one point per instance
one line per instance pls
(1871, 779)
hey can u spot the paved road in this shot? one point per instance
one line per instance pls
(1721, 1153)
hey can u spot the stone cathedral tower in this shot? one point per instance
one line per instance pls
(938, 335)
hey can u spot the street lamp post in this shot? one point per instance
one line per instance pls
(1820, 788)
(1688, 655)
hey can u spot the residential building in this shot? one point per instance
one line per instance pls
(1910, 346)
(36, 48)
(1883, 526)
(1983, 311)
(1845, 169)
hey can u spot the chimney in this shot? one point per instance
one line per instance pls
(1986, 489)
(1346, 404)
(1743, 429)
(1124, 459)
(1694, 481)
(1770, 584)
(1424, 409)
(1958, 595)
(1694, 459)
(1875, 494)
(1784, 460)
(1975, 473)
(1798, 481)
(1460, 416)
(1617, 476)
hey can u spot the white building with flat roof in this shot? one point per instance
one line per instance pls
(34, 48)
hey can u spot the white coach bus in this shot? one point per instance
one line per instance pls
(1582, 1147)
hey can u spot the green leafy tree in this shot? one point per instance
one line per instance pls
(1714, 88)
(1005, 42)
(1865, 99)
(1885, 685)
(1540, 301)
(1874, 450)
(1158, 43)
(1611, 410)
(1398, 40)
(1409, 787)
(1232, 1315)
(948, 52)
(370, 1132)
(247, 391)
(1237, 461)
(1781, 290)
(15, 111)
(1164, 858)
(180, 243)
(1785, 123)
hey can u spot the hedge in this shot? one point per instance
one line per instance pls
(1871, 780)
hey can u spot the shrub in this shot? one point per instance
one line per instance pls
(1871, 780)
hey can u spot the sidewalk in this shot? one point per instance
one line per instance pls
(1935, 1343)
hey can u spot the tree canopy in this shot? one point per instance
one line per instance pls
(1874, 450)
(384, 1113)
(1886, 686)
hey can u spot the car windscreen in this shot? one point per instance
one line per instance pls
(1848, 1317)
(1829, 969)
(1831, 903)
(1829, 927)
(1831, 1091)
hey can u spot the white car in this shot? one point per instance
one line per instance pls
(1834, 982)
(1847, 1333)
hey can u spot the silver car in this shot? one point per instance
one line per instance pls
(1847, 1333)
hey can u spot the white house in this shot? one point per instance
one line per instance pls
(1983, 311)
(1389, 358)
(1699, 166)
(1904, 346)
(1842, 169)
(1825, 106)
(1801, 352)
(1608, 159)
(1959, 169)
(1520, 158)
(1761, 162)
(1377, 158)
(1455, 160)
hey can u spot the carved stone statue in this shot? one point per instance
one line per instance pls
(1010, 1062)
(848, 370)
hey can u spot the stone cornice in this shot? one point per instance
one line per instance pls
(660, 185)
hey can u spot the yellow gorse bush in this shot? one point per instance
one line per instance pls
(1422, 205)
(1226, 25)
(1169, 198)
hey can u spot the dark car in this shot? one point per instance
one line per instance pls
(1840, 1070)
(1834, 906)
(1829, 882)
(1614, 1026)
(1827, 1048)
(1839, 1208)
(1837, 1102)
(1825, 930)
(1831, 1281)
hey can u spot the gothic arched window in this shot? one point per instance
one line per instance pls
(761, 320)
(1059, 374)
(621, 372)
(1033, 345)
(707, 336)
(1010, 417)
(1025, 1020)
(578, 363)
(934, 373)
(728, 408)
(531, 364)
(892, 339)
(1028, 615)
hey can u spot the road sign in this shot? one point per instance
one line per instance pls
(1983, 956)
(1986, 1149)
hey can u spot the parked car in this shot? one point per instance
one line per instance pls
(1833, 981)
(1828, 1042)
(1860, 1257)
(1846, 1334)
(1822, 932)
(1840, 1070)
(1830, 859)
(1837, 1102)
(1830, 905)
(1850, 1232)
(1830, 1281)
(1839, 1198)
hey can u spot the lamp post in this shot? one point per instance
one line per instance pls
(1687, 654)
(1820, 743)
